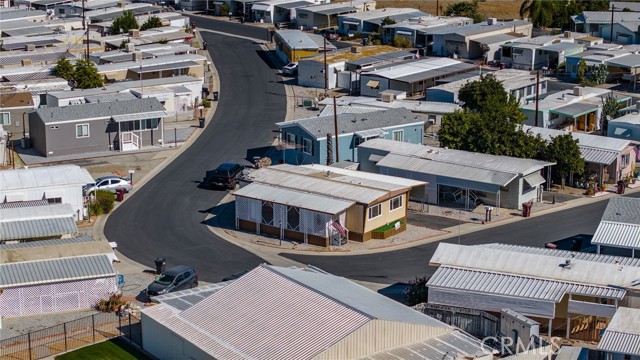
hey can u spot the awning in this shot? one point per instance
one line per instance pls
(260, 7)
(534, 179)
(139, 116)
(401, 32)
(371, 133)
(173, 66)
(350, 22)
(373, 84)
(575, 110)
(218, 3)
(375, 158)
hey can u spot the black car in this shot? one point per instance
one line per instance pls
(175, 279)
(227, 175)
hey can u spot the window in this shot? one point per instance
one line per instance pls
(398, 135)
(307, 146)
(517, 51)
(506, 51)
(56, 200)
(54, 127)
(82, 130)
(375, 211)
(395, 203)
(293, 218)
(624, 160)
(5, 118)
(291, 138)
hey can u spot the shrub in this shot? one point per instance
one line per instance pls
(103, 203)
(112, 303)
(206, 103)
(417, 292)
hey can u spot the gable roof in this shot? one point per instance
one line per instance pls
(284, 303)
(320, 126)
(104, 110)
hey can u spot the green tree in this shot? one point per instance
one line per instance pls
(388, 21)
(598, 74)
(64, 69)
(86, 75)
(564, 151)
(401, 42)
(489, 123)
(465, 8)
(151, 23)
(122, 24)
(224, 9)
(417, 292)
(582, 71)
(541, 12)
(610, 108)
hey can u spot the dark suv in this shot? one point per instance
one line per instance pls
(175, 279)
(227, 175)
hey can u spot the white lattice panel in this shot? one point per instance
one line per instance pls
(56, 297)
(243, 208)
(280, 216)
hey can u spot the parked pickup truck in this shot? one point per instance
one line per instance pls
(227, 175)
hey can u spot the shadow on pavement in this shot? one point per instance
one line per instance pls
(261, 152)
(267, 57)
(396, 292)
(224, 216)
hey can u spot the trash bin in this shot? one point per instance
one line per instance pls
(160, 263)
(242, 20)
(201, 122)
(215, 96)
(25, 142)
(526, 209)
(621, 186)
(204, 45)
(120, 194)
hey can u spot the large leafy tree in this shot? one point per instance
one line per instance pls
(540, 12)
(556, 13)
(564, 151)
(610, 108)
(489, 123)
(64, 69)
(122, 24)
(582, 71)
(465, 8)
(151, 23)
(86, 75)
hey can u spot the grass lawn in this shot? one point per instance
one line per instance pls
(114, 349)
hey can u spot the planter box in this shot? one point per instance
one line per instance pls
(380, 235)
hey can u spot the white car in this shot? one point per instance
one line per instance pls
(290, 69)
(109, 183)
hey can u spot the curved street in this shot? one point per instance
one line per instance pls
(163, 218)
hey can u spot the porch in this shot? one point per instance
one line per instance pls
(576, 117)
(135, 130)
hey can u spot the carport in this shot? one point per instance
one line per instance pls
(629, 64)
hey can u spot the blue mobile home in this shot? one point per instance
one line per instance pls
(304, 141)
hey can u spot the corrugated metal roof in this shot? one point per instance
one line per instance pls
(43, 177)
(544, 267)
(360, 190)
(598, 156)
(37, 228)
(293, 5)
(505, 164)
(617, 234)
(585, 140)
(515, 285)
(623, 210)
(294, 198)
(297, 39)
(575, 110)
(480, 28)
(140, 116)
(498, 38)
(367, 175)
(163, 67)
(50, 242)
(55, 270)
(453, 345)
(110, 97)
(564, 254)
(447, 169)
(276, 301)
(334, 11)
(54, 248)
(622, 334)
(185, 299)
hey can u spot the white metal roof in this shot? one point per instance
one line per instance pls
(382, 13)
(622, 335)
(335, 185)
(231, 323)
(43, 177)
(414, 67)
(590, 273)
(297, 39)
(298, 199)
(369, 104)
(367, 175)
(505, 164)
(617, 234)
(565, 97)
(510, 79)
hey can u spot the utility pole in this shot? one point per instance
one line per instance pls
(335, 125)
(611, 33)
(326, 75)
(537, 95)
(437, 8)
(85, 27)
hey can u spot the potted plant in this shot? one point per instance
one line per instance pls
(603, 187)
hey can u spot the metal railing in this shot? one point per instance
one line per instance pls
(71, 335)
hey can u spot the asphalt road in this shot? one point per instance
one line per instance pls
(164, 217)
(404, 265)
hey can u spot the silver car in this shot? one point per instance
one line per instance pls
(290, 69)
(109, 183)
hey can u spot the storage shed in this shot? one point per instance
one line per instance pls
(56, 184)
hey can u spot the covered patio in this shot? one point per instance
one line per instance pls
(579, 117)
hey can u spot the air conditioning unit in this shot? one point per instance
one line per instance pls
(387, 97)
